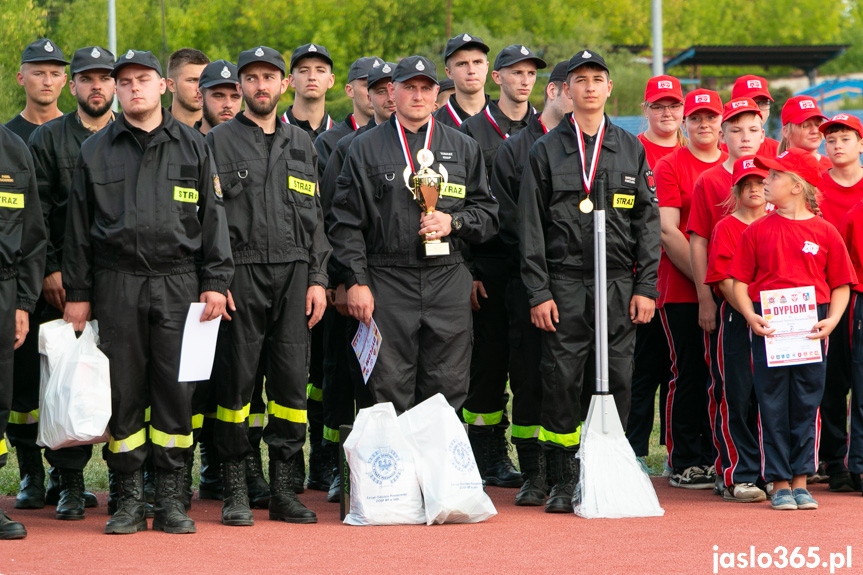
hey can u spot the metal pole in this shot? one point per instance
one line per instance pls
(112, 39)
(658, 61)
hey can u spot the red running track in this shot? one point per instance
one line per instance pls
(521, 540)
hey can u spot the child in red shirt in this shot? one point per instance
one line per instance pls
(663, 108)
(688, 436)
(791, 247)
(801, 119)
(755, 88)
(732, 388)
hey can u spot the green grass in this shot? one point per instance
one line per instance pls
(96, 472)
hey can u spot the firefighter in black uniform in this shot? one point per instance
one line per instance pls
(485, 408)
(22, 261)
(344, 392)
(269, 174)
(420, 304)
(145, 236)
(357, 91)
(43, 75)
(525, 338)
(466, 61)
(55, 147)
(556, 242)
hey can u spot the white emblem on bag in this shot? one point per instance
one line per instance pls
(130, 54)
(259, 52)
(49, 47)
(664, 85)
(753, 84)
(420, 66)
(703, 99)
(810, 248)
(95, 53)
(225, 72)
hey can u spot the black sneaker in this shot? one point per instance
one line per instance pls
(690, 478)
(841, 482)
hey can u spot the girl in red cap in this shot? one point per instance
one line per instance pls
(663, 108)
(790, 247)
(688, 436)
(739, 459)
(801, 119)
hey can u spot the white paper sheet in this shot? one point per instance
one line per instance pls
(199, 345)
(367, 345)
(791, 312)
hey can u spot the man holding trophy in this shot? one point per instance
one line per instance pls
(411, 194)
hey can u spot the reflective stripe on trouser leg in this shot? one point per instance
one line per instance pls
(20, 418)
(338, 384)
(23, 429)
(8, 293)
(525, 353)
(482, 418)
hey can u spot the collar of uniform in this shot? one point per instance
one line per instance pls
(280, 126)
(460, 111)
(570, 144)
(422, 130)
(169, 125)
(504, 121)
(307, 125)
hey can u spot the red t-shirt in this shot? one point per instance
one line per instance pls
(825, 162)
(852, 231)
(836, 200)
(654, 151)
(767, 149)
(675, 176)
(723, 242)
(708, 200)
(777, 252)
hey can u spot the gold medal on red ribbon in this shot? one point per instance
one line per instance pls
(586, 206)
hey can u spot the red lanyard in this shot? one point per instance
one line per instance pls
(404, 142)
(588, 178)
(491, 119)
(455, 117)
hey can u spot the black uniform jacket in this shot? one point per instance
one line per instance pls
(55, 146)
(271, 198)
(481, 129)
(505, 178)
(154, 211)
(375, 217)
(456, 116)
(326, 142)
(556, 238)
(22, 230)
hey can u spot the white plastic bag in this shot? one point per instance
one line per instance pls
(451, 483)
(385, 489)
(75, 393)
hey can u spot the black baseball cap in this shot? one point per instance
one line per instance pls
(558, 74)
(463, 41)
(217, 73)
(141, 58)
(310, 51)
(414, 66)
(91, 58)
(263, 54)
(362, 66)
(447, 84)
(43, 50)
(383, 72)
(586, 57)
(515, 54)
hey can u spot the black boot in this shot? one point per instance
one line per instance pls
(480, 438)
(300, 476)
(257, 489)
(70, 507)
(500, 471)
(321, 466)
(535, 487)
(284, 504)
(52, 492)
(10, 529)
(170, 515)
(113, 494)
(189, 460)
(211, 482)
(336, 485)
(129, 516)
(560, 498)
(32, 492)
(236, 509)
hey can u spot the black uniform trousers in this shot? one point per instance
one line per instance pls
(854, 459)
(339, 385)
(833, 446)
(689, 437)
(788, 419)
(566, 351)
(652, 371)
(314, 389)
(735, 425)
(423, 314)
(141, 322)
(487, 396)
(8, 296)
(270, 318)
(525, 353)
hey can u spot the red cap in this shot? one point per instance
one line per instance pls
(702, 100)
(846, 120)
(738, 106)
(745, 166)
(799, 109)
(750, 86)
(660, 87)
(795, 160)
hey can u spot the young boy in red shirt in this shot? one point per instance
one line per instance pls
(755, 88)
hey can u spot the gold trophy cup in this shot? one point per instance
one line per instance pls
(426, 186)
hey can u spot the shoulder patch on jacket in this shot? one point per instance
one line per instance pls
(650, 180)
